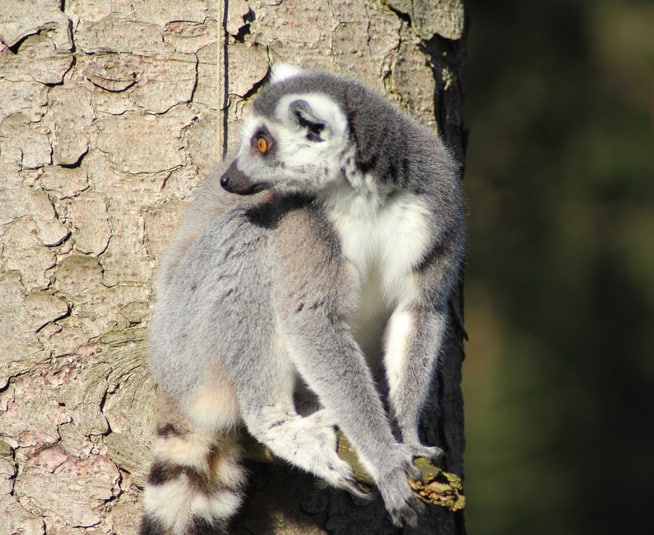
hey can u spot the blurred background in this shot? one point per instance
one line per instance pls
(559, 373)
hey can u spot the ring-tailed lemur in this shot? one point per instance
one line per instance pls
(338, 275)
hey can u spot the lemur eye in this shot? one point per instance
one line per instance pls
(262, 143)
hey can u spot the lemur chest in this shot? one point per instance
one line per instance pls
(384, 242)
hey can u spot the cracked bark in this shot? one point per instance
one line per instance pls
(111, 113)
(99, 115)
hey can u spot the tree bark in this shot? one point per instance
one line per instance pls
(111, 113)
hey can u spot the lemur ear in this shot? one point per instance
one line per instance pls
(301, 111)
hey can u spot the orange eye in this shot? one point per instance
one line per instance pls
(262, 145)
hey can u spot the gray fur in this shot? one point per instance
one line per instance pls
(258, 295)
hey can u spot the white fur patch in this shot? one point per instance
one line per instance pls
(283, 71)
(215, 407)
(176, 502)
(189, 450)
(222, 505)
(169, 503)
(227, 469)
(384, 241)
(390, 237)
(251, 124)
(398, 333)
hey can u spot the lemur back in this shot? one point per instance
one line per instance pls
(338, 274)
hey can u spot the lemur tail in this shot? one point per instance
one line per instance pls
(195, 481)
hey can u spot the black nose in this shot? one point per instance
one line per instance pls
(236, 181)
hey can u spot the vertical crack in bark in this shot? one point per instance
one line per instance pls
(224, 105)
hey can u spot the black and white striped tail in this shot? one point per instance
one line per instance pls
(194, 485)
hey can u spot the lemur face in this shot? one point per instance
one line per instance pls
(299, 147)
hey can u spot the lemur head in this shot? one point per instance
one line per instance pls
(294, 139)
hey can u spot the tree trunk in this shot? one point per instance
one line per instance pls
(108, 121)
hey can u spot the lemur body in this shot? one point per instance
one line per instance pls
(339, 275)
